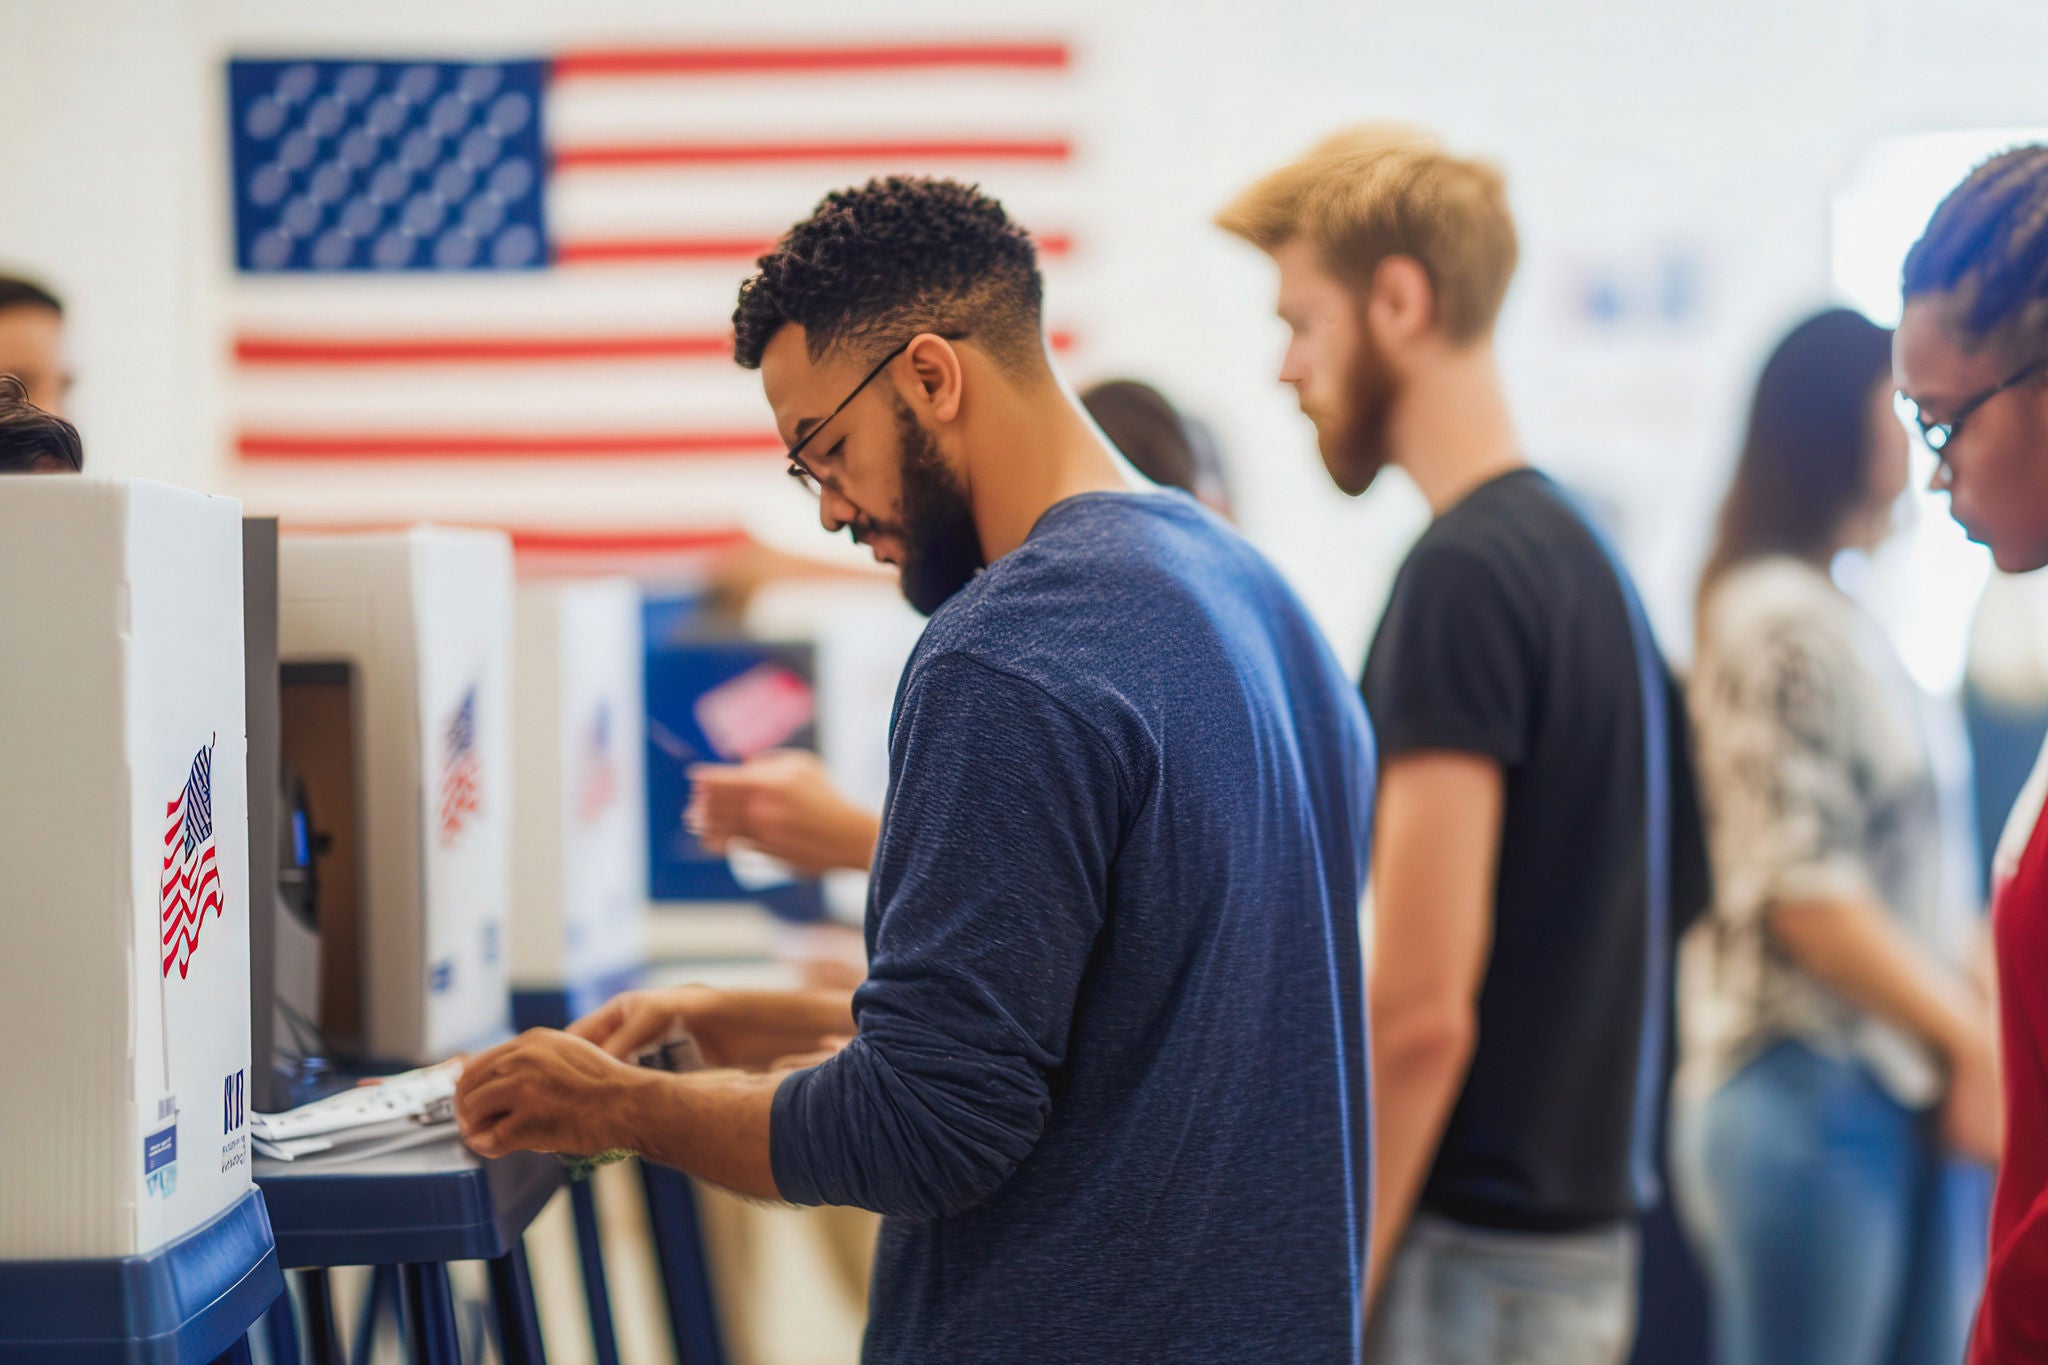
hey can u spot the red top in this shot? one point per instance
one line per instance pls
(2012, 1324)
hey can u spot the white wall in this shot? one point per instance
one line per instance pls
(1630, 132)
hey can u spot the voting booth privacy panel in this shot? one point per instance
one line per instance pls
(124, 990)
(580, 859)
(396, 656)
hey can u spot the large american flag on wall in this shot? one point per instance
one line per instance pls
(455, 279)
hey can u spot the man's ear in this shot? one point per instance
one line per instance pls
(934, 377)
(1403, 306)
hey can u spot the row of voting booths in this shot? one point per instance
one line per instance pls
(272, 807)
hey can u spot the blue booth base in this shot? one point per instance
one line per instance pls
(183, 1304)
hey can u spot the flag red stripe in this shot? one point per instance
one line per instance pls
(627, 542)
(429, 350)
(565, 540)
(641, 154)
(651, 250)
(266, 350)
(761, 61)
(394, 445)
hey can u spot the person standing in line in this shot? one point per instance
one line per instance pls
(1533, 775)
(1837, 1053)
(1971, 357)
(1106, 1079)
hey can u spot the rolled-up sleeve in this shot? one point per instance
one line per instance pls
(988, 893)
(1779, 764)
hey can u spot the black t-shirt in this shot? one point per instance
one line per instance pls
(1508, 635)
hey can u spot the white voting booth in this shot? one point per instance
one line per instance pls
(397, 650)
(124, 985)
(580, 889)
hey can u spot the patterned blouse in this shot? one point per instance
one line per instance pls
(1826, 773)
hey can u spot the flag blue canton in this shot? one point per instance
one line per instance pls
(388, 166)
(462, 730)
(199, 802)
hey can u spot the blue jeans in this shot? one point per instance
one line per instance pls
(1460, 1295)
(1834, 1228)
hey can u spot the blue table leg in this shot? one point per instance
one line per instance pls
(429, 1314)
(678, 1245)
(281, 1329)
(237, 1354)
(316, 1293)
(518, 1315)
(383, 1285)
(590, 1249)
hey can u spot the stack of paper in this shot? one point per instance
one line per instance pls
(406, 1110)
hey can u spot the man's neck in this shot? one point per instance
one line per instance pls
(1032, 448)
(1452, 431)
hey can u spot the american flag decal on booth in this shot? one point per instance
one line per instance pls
(191, 873)
(460, 787)
(600, 781)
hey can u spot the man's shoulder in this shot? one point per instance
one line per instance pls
(1103, 562)
(1517, 540)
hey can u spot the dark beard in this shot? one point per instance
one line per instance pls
(1356, 451)
(941, 547)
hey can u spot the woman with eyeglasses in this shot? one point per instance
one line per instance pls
(1835, 1054)
(1971, 356)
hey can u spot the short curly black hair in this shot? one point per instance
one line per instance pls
(1987, 247)
(33, 441)
(872, 267)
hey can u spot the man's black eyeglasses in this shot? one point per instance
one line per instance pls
(808, 476)
(1938, 435)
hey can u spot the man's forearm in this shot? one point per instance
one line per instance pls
(711, 1124)
(765, 1026)
(1418, 1065)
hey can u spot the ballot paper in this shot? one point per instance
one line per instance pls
(406, 1110)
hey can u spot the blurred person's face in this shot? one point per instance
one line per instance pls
(882, 475)
(32, 348)
(1340, 378)
(1888, 461)
(1995, 467)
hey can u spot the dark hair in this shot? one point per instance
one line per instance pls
(33, 441)
(1805, 462)
(1163, 444)
(16, 292)
(1987, 244)
(874, 266)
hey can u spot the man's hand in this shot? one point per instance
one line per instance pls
(747, 1030)
(784, 805)
(633, 1022)
(545, 1091)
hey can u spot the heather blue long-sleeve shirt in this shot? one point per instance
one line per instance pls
(1109, 1089)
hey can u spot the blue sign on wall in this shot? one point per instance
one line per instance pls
(715, 701)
